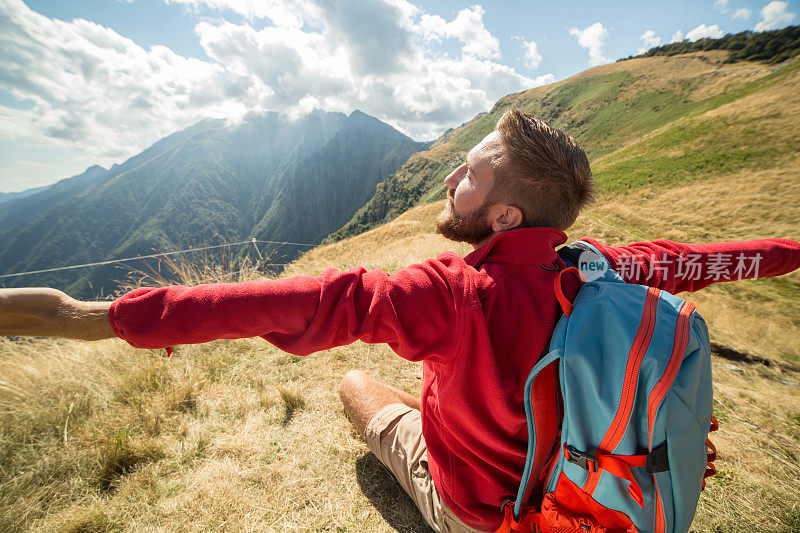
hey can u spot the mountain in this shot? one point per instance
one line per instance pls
(270, 177)
(645, 122)
(32, 203)
(8, 196)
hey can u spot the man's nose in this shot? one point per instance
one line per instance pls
(454, 178)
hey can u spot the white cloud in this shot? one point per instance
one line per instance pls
(377, 34)
(382, 61)
(593, 38)
(723, 6)
(703, 31)
(742, 13)
(94, 90)
(91, 87)
(530, 54)
(700, 32)
(468, 28)
(16, 124)
(544, 79)
(649, 40)
(774, 15)
(284, 13)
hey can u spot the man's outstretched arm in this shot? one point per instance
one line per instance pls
(678, 267)
(416, 311)
(42, 312)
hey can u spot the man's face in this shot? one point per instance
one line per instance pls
(465, 218)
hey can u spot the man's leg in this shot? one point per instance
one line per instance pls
(389, 421)
(363, 396)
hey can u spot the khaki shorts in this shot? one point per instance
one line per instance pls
(394, 435)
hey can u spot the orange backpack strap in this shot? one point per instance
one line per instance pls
(618, 465)
(510, 525)
(566, 304)
(711, 456)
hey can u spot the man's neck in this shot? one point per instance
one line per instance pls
(485, 241)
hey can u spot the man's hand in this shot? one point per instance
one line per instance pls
(42, 312)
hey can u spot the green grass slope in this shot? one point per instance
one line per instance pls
(643, 122)
(239, 436)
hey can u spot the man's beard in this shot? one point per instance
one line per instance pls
(471, 228)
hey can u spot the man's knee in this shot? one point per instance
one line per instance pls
(352, 381)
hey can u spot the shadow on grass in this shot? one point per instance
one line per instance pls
(388, 497)
(292, 402)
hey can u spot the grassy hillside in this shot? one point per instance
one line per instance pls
(645, 122)
(239, 436)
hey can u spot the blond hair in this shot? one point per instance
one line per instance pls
(543, 172)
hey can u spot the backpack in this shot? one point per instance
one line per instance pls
(634, 371)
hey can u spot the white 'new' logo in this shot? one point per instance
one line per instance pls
(591, 266)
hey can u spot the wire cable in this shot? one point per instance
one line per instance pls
(150, 256)
(286, 242)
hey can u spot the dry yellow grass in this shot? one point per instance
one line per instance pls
(206, 436)
(239, 436)
(202, 441)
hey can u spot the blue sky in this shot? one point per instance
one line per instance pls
(97, 81)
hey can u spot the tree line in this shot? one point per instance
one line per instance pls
(770, 46)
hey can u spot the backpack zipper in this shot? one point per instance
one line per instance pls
(640, 344)
(660, 390)
(675, 359)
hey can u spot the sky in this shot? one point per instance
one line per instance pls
(89, 82)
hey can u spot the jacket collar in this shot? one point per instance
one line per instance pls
(519, 247)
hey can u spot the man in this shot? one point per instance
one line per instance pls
(478, 324)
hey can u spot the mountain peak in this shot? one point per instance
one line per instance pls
(212, 178)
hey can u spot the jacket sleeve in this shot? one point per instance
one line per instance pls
(677, 267)
(413, 310)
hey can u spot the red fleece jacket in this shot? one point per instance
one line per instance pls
(477, 323)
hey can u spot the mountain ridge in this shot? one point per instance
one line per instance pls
(607, 108)
(214, 181)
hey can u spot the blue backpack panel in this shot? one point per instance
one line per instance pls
(634, 366)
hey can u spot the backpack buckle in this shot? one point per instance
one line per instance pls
(657, 460)
(582, 459)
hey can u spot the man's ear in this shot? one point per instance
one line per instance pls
(505, 217)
